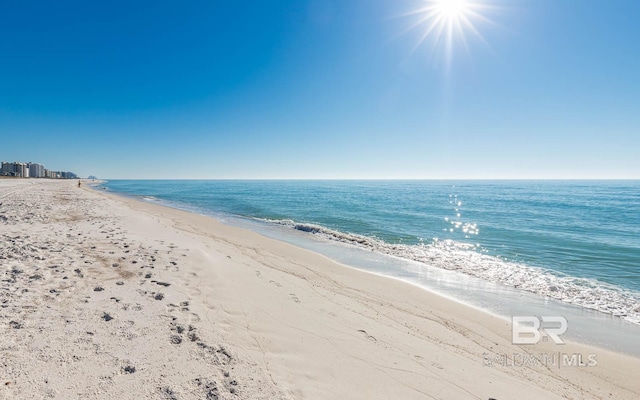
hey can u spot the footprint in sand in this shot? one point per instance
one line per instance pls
(277, 284)
(193, 317)
(183, 307)
(294, 297)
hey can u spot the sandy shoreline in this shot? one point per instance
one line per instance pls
(107, 297)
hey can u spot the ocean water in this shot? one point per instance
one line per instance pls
(573, 242)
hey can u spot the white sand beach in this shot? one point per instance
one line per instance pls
(104, 297)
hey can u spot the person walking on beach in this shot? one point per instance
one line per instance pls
(78, 182)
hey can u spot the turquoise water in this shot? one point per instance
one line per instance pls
(574, 241)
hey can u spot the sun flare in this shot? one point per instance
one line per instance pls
(452, 9)
(447, 21)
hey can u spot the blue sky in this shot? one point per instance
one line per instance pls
(320, 89)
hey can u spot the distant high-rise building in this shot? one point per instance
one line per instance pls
(15, 169)
(68, 175)
(36, 170)
(32, 170)
(7, 168)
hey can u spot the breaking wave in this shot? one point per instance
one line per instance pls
(452, 255)
(150, 198)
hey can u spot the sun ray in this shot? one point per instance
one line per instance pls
(414, 25)
(434, 24)
(463, 39)
(446, 22)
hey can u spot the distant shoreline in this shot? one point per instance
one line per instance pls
(37, 179)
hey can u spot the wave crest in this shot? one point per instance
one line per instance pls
(462, 257)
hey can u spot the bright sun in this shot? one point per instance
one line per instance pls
(452, 9)
(446, 21)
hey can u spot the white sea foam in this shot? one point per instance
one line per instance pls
(462, 257)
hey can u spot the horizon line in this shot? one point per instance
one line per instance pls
(370, 179)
